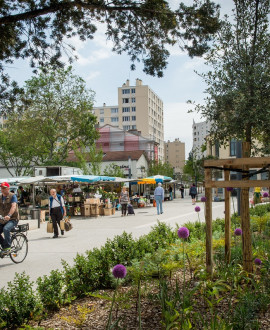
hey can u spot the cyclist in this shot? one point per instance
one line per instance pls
(9, 212)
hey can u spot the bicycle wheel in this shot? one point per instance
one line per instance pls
(19, 248)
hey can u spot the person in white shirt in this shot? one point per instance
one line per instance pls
(159, 198)
(57, 211)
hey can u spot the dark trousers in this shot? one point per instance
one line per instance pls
(56, 215)
(124, 208)
(6, 228)
(182, 193)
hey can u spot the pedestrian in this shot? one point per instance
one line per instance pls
(124, 200)
(23, 195)
(9, 212)
(171, 194)
(193, 193)
(182, 190)
(57, 211)
(159, 198)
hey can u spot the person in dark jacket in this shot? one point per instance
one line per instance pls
(57, 211)
(193, 193)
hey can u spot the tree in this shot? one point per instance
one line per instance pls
(85, 155)
(113, 170)
(238, 105)
(143, 29)
(52, 119)
(157, 167)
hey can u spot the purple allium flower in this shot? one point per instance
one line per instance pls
(257, 262)
(238, 232)
(265, 194)
(183, 232)
(197, 209)
(203, 199)
(229, 188)
(119, 271)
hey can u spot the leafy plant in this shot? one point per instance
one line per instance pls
(19, 303)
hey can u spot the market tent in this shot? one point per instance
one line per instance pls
(14, 180)
(91, 178)
(161, 178)
(147, 181)
(36, 179)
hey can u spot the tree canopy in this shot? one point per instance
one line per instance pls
(238, 105)
(158, 167)
(52, 119)
(39, 30)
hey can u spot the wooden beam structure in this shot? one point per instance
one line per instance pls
(227, 220)
(232, 164)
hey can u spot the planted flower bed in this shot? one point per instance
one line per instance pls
(160, 282)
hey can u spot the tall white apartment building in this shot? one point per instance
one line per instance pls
(199, 132)
(139, 108)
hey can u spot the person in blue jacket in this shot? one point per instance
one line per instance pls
(57, 211)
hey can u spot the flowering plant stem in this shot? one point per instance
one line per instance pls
(139, 304)
(113, 300)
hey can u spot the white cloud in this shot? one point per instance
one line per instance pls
(92, 75)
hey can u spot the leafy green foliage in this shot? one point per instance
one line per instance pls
(157, 167)
(52, 290)
(18, 303)
(113, 170)
(238, 98)
(39, 29)
(55, 111)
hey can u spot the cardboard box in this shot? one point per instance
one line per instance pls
(44, 202)
(94, 209)
(107, 211)
(77, 198)
(101, 210)
(87, 211)
(70, 199)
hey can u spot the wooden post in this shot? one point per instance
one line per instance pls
(245, 218)
(227, 219)
(208, 221)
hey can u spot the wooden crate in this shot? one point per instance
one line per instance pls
(77, 198)
(92, 201)
(70, 199)
(87, 211)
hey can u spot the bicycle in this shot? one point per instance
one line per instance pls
(19, 244)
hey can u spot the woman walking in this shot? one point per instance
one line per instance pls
(124, 200)
(193, 193)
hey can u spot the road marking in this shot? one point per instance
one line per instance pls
(172, 218)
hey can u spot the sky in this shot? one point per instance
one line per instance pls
(104, 71)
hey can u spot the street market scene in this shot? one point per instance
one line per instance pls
(135, 165)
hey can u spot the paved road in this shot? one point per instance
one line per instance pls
(45, 253)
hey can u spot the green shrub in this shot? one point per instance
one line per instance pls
(52, 290)
(18, 303)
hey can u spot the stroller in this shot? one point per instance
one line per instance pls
(130, 209)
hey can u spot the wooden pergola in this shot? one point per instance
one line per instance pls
(237, 164)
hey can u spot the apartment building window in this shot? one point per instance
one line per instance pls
(114, 119)
(101, 120)
(125, 100)
(133, 118)
(133, 109)
(233, 147)
(133, 90)
(125, 91)
(133, 99)
(126, 118)
(101, 112)
(134, 127)
(126, 127)
(126, 109)
(114, 110)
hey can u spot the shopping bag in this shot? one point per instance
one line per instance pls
(62, 224)
(67, 224)
(49, 227)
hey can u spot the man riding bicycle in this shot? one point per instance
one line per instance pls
(9, 212)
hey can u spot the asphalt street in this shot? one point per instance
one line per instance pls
(45, 253)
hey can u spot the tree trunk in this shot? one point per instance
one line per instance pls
(245, 218)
